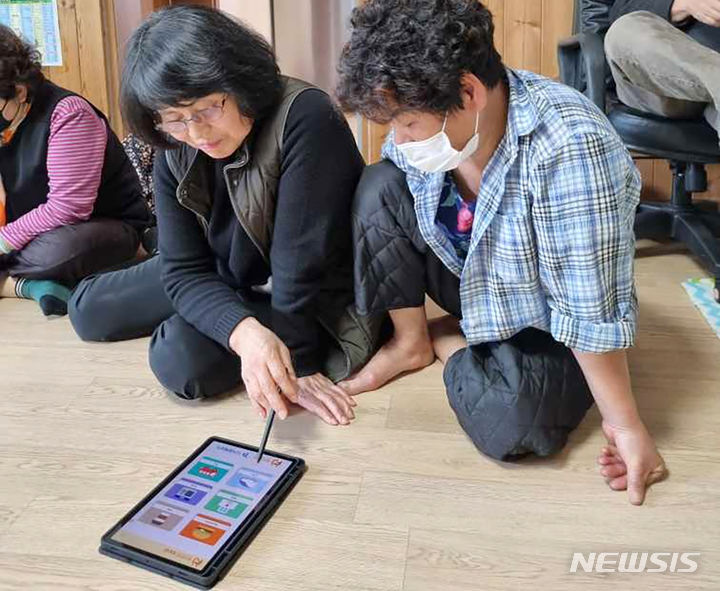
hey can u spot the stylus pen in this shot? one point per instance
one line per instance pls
(266, 434)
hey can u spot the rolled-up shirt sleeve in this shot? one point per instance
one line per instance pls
(584, 201)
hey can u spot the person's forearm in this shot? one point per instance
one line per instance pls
(608, 376)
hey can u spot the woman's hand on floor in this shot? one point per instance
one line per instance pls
(631, 461)
(267, 369)
(321, 397)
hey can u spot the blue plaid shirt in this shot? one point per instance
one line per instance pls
(552, 243)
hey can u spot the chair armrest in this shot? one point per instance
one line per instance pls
(582, 63)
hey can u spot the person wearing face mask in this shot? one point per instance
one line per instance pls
(509, 200)
(254, 178)
(70, 203)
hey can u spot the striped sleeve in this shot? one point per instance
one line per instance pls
(76, 153)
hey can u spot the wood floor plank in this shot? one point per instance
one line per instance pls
(563, 505)
(399, 500)
(485, 560)
(287, 551)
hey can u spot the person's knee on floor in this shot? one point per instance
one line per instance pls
(517, 397)
(188, 364)
(123, 304)
(86, 313)
(189, 382)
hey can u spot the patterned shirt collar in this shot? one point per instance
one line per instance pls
(522, 120)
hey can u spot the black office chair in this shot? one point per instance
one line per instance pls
(689, 145)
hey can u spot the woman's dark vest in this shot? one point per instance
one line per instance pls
(23, 166)
(252, 182)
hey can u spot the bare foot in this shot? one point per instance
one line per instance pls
(393, 358)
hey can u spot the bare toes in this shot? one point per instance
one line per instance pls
(613, 471)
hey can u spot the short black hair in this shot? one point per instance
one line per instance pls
(412, 54)
(19, 64)
(182, 53)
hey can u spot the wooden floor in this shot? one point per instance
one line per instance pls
(399, 500)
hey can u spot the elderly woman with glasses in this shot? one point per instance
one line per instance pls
(253, 186)
(70, 203)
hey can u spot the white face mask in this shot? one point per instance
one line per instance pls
(436, 153)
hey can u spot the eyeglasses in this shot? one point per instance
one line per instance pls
(180, 126)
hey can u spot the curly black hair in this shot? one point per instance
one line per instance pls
(411, 55)
(19, 64)
(185, 52)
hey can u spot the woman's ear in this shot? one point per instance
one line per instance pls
(21, 93)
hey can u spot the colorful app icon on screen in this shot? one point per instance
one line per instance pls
(228, 504)
(249, 480)
(201, 531)
(161, 517)
(188, 492)
(211, 469)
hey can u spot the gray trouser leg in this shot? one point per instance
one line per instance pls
(120, 305)
(190, 364)
(661, 70)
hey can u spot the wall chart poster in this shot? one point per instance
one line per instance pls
(37, 22)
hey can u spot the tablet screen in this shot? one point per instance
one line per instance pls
(197, 511)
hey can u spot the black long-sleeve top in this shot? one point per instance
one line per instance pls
(206, 276)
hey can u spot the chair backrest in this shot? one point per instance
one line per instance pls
(592, 16)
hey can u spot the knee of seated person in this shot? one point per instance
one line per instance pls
(184, 382)
(480, 429)
(380, 182)
(629, 35)
(496, 418)
(189, 379)
(191, 389)
(509, 440)
(86, 315)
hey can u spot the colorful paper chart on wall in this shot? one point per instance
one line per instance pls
(37, 22)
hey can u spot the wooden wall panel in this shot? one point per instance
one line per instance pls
(93, 63)
(89, 62)
(714, 182)
(112, 59)
(67, 75)
(497, 8)
(523, 37)
(557, 19)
